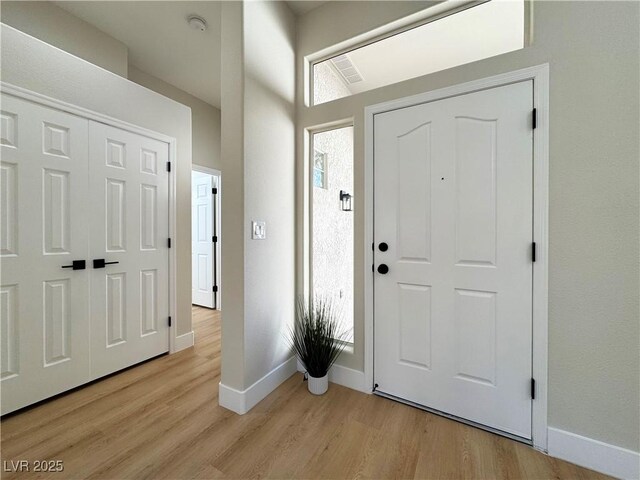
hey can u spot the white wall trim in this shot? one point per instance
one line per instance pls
(173, 155)
(589, 453)
(348, 377)
(183, 341)
(241, 401)
(540, 76)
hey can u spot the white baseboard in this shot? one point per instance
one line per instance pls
(586, 452)
(347, 377)
(183, 341)
(242, 401)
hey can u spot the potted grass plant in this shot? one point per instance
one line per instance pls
(317, 338)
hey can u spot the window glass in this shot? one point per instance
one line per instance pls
(332, 234)
(319, 169)
(482, 31)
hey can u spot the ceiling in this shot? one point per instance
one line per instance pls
(300, 7)
(160, 41)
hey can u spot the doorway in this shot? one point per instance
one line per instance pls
(205, 237)
(426, 324)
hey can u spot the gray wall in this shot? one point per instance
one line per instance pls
(205, 118)
(593, 52)
(258, 136)
(52, 24)
(32, 64)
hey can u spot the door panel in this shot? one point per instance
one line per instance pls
(414, 201)
(475, 191)
(453, 199)
(202, 246)
(129, 226)
(43, 307)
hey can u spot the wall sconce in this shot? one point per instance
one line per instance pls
(345, 201)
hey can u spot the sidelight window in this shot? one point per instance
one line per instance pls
(332, 264)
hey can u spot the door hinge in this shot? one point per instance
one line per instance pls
(214, 239)
(534, 118)
(168, 166)
(215, 288)
(169, 242)
(373, 268)
(533, 389)
(533, 251)
(214, 190)
(169, 321)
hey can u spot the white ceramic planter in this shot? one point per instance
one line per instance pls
(318, 386)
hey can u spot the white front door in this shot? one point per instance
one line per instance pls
(44, 305)
(202, 239)
(129, 224)
(453, 203)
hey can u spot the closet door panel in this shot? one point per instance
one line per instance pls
(129, 198)
(44, 307)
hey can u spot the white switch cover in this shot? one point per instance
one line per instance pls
(258, 230)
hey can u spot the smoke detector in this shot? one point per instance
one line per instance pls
(196, 22)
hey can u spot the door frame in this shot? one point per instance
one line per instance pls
(114, 122)
(217, 221)
(539, 74)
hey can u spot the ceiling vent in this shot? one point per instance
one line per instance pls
(347, 69)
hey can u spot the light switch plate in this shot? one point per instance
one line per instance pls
(258, 230)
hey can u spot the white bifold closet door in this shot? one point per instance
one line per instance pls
(44, 308)
(453, 202)
(73, 191)
(129, 228)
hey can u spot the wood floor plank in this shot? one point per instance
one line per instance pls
(161, 420)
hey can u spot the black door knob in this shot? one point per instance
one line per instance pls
(100, 263)
(383, 269)
(383, 247)
(76, 265)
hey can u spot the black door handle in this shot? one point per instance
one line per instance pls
(383, 269)
(383, 247)
(76, 265)
(100, 263)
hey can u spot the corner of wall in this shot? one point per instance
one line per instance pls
(241, 401)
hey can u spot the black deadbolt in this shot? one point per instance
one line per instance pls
(383, 247)
(383, 269)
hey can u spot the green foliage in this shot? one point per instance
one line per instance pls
(316, 337)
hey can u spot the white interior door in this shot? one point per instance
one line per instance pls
(453, 201)
(44, 307)
(129, 224)
(202, 240)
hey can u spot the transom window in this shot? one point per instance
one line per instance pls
(481, 31)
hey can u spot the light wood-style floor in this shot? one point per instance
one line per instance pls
(162, 420)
